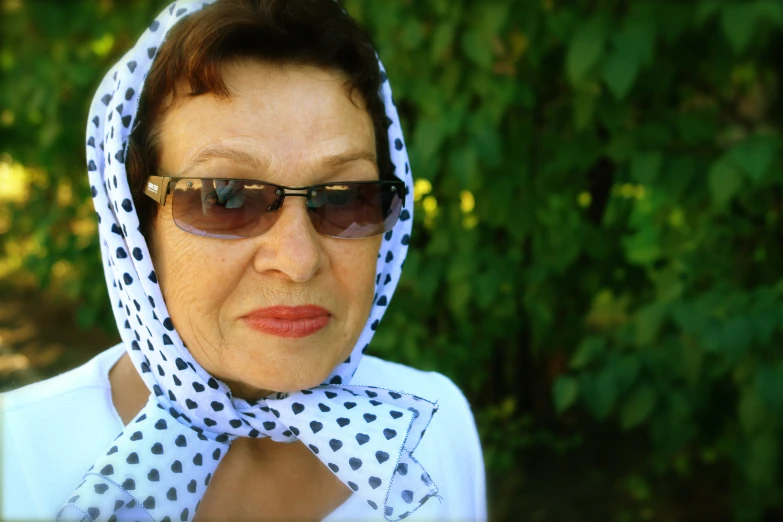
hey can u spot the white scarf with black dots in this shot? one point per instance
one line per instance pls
(160, 465)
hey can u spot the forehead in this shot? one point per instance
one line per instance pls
(288, 116)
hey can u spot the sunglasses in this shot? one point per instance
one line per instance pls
(241, 208)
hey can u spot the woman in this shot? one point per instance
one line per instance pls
(253, 197)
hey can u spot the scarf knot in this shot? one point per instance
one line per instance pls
(365, 435)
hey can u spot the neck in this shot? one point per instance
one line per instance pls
(129, 395)
(128, 391)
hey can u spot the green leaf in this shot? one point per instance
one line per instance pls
(770, 11)
(648, 320)
(442, 38)
(85, 316)
(668, 284)
(600, 393)
(493, 16)
(584, 105)
(645, 167)
(738, 21)
(428, 138)
(725, 180)
(752, 413)
(765, 316)
(589, 349)
(761, 464)
(459, 293)
(620, 147)
(691, 361)
(638, 406)
(463, 165)
(707, 9)
(486, 288)
(585, 49)
(755, 154)
(619, 71)
(565, 392)
(485, 139)
(625, 369)
(412, 34)
(478, 47)
(643, 247)
(638, 34)
(737, 334)
(769, 385)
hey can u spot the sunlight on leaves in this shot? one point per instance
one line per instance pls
(102, 46)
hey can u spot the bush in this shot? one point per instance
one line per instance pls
(599, 233)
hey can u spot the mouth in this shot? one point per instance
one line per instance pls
(288, 321)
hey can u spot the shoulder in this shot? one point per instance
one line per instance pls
(85, 378)
(50, 432)
(432, 386)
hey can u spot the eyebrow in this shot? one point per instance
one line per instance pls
(243, 158)
(220, 152)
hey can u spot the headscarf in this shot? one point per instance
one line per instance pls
(160, 465)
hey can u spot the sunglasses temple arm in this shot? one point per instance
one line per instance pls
(157, 188)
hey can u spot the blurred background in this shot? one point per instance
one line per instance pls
(598, 253)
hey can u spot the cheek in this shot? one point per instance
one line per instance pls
(194, 273)
(353, 263)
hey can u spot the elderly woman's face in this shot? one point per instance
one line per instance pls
(301, 127)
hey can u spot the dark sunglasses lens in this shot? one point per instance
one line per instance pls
(355, 210)
(226, 209)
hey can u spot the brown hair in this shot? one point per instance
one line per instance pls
(308, 32)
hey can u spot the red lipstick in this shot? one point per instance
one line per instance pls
(288, 321)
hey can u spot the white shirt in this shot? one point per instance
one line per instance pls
(51, 432)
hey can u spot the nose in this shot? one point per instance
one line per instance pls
(291, 248)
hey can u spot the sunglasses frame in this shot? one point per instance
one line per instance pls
(159, 187)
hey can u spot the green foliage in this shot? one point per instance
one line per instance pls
(52, 57)
(601, 237)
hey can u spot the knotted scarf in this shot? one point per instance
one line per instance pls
(160, 465)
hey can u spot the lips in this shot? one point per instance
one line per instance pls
(288, 321)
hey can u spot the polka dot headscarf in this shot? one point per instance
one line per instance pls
(160, 465)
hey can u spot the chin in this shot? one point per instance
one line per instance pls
(283, 369)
